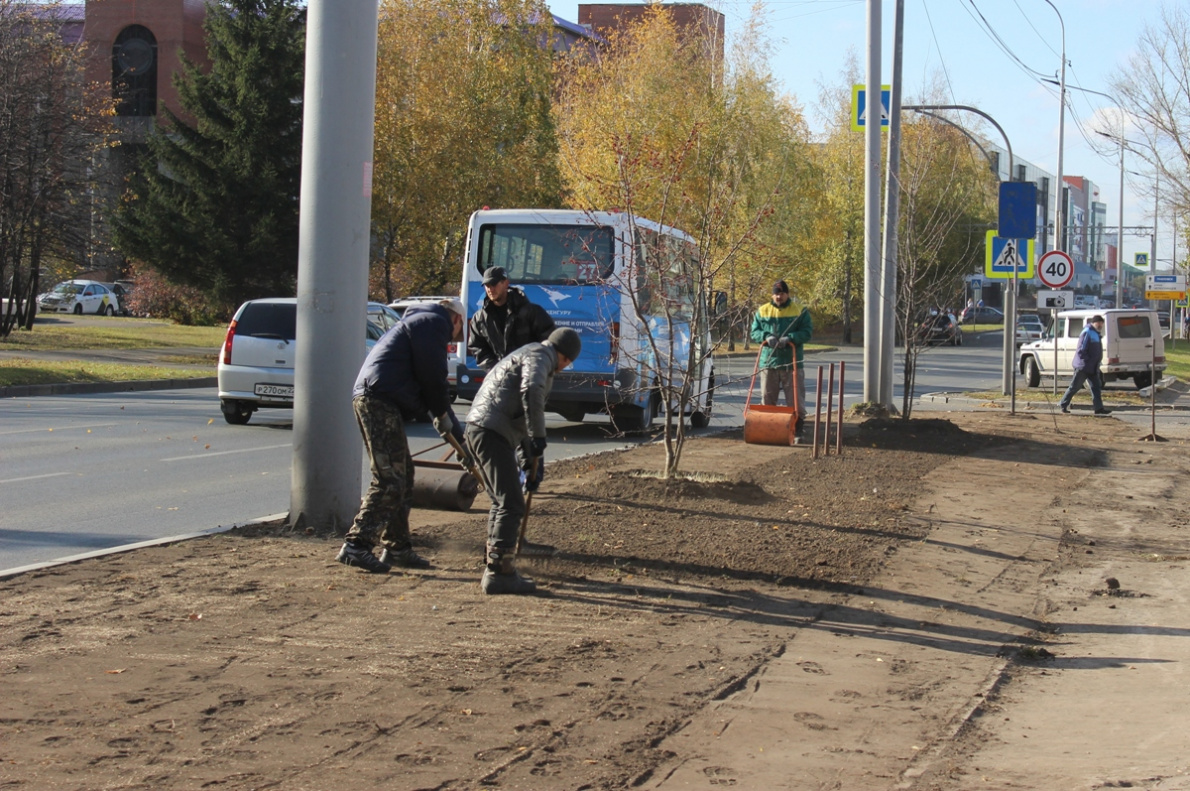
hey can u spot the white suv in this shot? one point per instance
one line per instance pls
(1132, 347)
(256, 361)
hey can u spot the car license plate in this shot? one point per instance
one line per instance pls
(274, 391)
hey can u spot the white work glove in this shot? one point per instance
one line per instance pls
(444, 426)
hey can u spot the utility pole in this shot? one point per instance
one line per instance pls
(1059, 203)
(892, 201)
(1153, 244)
(872, 281)
(333, 239)
(1120, 234)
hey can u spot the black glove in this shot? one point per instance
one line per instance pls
(445, 426)
(770, 341)
(533, 478)
(783, 342)
(537, 445)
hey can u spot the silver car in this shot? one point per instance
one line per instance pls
(1029, 327)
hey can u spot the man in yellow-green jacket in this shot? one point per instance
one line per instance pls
(782, 327)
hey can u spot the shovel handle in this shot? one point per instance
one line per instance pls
(476, 473)
(520, 536)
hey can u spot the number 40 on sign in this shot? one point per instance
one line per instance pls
(1055, 269)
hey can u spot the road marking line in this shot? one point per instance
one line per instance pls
(36, 477)
(55, 428)
(228, 452)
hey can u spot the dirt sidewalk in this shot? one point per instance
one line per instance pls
(1038, 637)
(930, 611)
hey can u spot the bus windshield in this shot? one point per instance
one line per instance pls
(557, 254)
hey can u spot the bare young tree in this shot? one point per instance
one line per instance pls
(1154, 90)
(947, 200)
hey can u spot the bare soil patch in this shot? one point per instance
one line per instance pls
(251, 660)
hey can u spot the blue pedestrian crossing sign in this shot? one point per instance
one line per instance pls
(859, 106)
(1005, 255)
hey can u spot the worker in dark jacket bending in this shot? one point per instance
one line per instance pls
(402, 379)
(506, 321)
(507, 421)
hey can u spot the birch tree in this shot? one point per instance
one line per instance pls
(656, 126)
(462, 122)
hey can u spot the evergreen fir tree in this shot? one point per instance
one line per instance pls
(215, 205)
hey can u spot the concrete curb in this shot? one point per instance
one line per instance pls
(98, 553)
(27, 391)
(962, 399)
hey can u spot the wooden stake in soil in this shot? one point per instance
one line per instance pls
(839, 430)
(817, 412)
(830, 402)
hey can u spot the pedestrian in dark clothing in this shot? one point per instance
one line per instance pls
(506, 435)
(1087, 357)
(506, 321)
(402, 379)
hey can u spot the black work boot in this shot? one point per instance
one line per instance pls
(501, 576)
(799, 432)
(404, 558)
(360, 556)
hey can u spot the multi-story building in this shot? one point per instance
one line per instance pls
(1084, 222)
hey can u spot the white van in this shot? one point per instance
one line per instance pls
(1129, 337)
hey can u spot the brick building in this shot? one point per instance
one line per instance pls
(605, 18)
(135, 47)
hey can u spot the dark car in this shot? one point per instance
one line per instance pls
(123, 292)
(940, 328)
(978, 315)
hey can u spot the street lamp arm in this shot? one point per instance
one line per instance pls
(970, 136)
(1084, 90)
(977, 111)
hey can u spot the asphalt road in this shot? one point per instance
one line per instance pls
(80, 473)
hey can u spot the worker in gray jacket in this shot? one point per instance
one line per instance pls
(507, 420)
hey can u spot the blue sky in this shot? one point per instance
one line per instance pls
(944, 43)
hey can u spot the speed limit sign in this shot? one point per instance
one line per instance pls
(1055, 269)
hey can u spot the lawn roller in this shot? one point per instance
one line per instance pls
(770, 425)
(443, 485)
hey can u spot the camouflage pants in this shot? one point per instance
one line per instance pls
(774, 380)
(383, 516)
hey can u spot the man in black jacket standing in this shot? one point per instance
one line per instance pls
(507, 421)
(403, 378)
(506, 322)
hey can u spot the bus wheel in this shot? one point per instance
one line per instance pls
(702, 418)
